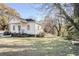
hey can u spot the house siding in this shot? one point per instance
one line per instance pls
(16, 30)
(34, 28)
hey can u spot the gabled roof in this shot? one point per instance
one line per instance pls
(25, 20)
(32, 20)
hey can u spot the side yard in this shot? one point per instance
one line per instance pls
(30, 46)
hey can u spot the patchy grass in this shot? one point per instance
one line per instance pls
(55, 46)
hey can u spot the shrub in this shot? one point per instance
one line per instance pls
(41, 35)
(6, 33)
(68, 38)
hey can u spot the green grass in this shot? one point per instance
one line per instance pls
(56, 46)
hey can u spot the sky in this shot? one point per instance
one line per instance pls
(27, 10)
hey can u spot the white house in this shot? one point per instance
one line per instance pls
(28, 26)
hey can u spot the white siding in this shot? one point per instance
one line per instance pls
(16, 30)
(13, 22)
(38, 28)
(33, 28)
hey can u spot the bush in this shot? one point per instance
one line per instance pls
(26, 35)
(41, 35)
(18, 35)
(6, 33)
(68, 38)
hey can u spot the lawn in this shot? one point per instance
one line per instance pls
(30, 46)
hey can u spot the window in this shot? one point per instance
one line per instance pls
(19, 27)
(13, 27)
(28, 27)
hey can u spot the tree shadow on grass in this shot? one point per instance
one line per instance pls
(76, 50)
(15, 46)
(28, 50)
(21, 53)
(41, 49)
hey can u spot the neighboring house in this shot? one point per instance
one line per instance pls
(28, 26)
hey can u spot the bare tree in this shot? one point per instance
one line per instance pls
(52, 9)
(48, 25)
(70, 19)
